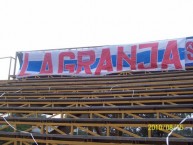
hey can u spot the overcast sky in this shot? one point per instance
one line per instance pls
(49, 24)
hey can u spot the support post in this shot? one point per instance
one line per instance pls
(9, 68)
(14, 71)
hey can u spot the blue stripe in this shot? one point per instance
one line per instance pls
(34, 66)
(189, 64)
(191, 37)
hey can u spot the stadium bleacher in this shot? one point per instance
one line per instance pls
(106, 110)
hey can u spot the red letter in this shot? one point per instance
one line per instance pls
(154, 55)
(85, 64)
(189, 48)
(69, 67)
(105, 62)
(47, 67)
(24, 65)
(171, 50)
(122, 56)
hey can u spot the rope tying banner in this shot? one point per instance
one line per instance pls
(20, 130)
(133, 93)
(12, 125)
(13, 92)
(113, 87)
(2, 94)
(167, 138)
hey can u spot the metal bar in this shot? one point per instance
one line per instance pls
(9, 68)
(14, 70)
(121, 122)
(7, 57)
(101, 139)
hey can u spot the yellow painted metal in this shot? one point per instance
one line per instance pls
(87, 104)
(141, 86)
(58, 142)
(84, 127)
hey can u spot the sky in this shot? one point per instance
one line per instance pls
(51, 24)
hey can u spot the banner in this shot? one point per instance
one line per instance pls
(151, 56)
(189, 51)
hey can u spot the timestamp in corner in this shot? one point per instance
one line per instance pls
(165, 126)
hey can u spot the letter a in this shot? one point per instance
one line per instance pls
(47, 67)
(171, 50)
